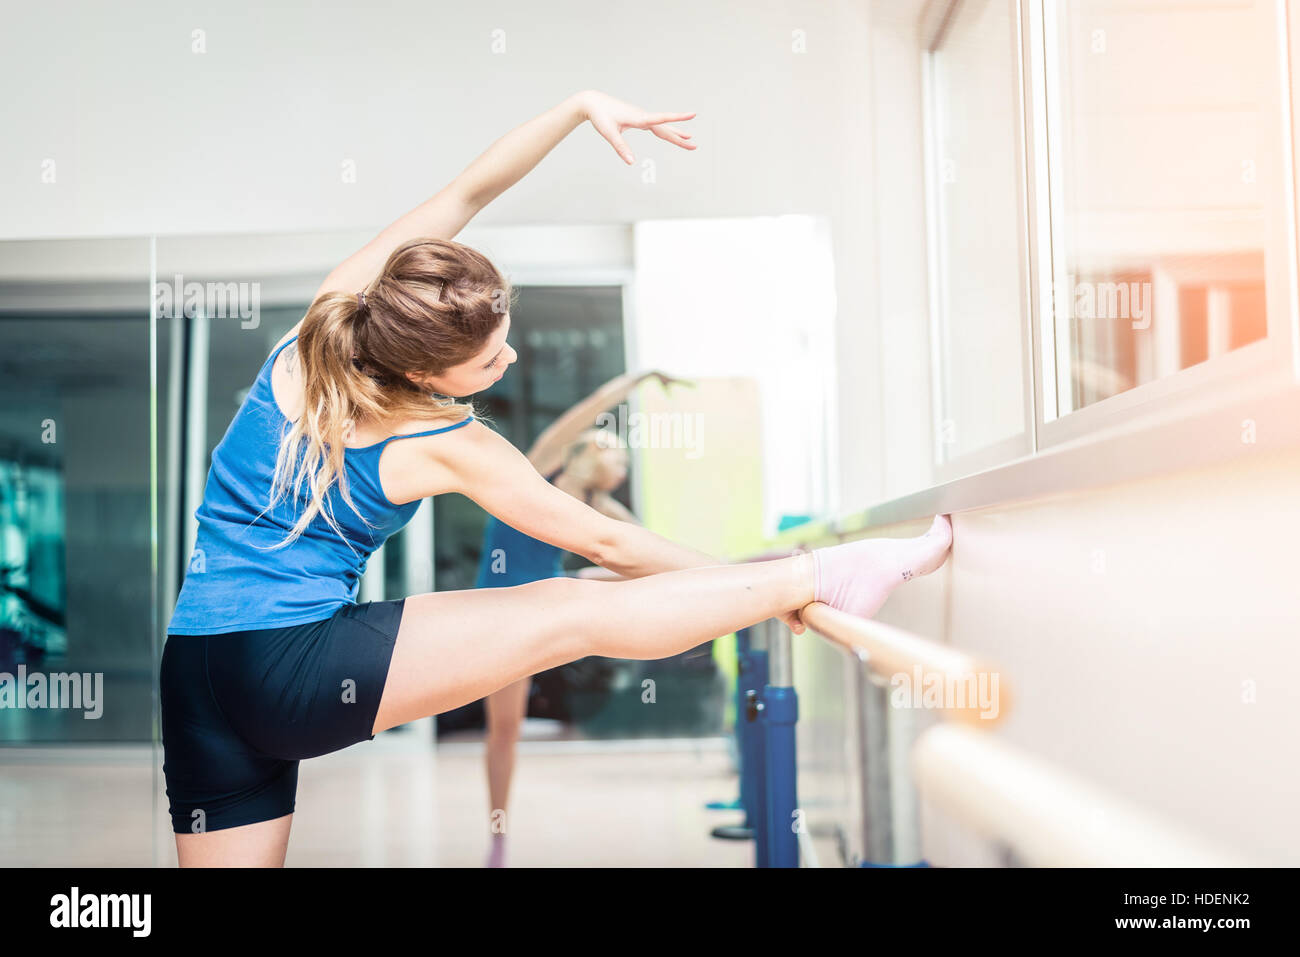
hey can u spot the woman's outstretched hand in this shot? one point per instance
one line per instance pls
(611, 117)
(667, 380)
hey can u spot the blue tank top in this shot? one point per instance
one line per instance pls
(235, 581)
(511, 557)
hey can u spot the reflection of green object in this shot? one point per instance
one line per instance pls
(792, 521)
(32, 582)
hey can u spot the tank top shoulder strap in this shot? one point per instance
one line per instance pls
(415, 435)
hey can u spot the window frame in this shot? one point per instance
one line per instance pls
(1023, 443)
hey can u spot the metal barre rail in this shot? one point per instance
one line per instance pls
(1049, 817)
(891, 651)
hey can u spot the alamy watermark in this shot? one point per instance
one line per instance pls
(655, 430)
(54, 692)
(1107, 300)
(126, 911)
(947, 692)
(214, 300)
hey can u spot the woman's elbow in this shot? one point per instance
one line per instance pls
(612, 548)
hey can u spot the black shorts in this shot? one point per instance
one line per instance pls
(241, 709)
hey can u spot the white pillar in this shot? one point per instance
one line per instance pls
(1218, 317)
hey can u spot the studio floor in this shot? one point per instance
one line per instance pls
(396, 801)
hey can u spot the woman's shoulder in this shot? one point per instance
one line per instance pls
(291, 334)
(423, 453)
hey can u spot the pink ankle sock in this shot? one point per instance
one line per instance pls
(497, 853)
(857, 577)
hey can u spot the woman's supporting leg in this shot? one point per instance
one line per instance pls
(456, 647)
(506, 709)
(253, 845)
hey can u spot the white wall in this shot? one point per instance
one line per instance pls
(251, 135)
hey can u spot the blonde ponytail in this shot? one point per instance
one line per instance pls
(433, 306)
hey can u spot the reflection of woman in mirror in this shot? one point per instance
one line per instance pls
(589, 464)
(346, 428)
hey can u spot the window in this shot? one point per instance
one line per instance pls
(979, 312)
(1112, 215)
(1168, 202)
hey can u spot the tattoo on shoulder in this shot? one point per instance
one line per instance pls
(290, 357)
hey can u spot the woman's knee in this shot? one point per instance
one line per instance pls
(574, 620)
(503, 735)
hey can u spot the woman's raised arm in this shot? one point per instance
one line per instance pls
(548, 451)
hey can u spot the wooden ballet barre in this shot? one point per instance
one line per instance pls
(921, 673)
(1049, 817)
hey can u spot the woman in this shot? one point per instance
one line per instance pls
(269, 658)
(588, 464)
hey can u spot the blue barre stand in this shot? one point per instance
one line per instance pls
(767, 710)
(751, 668)
(779, 715)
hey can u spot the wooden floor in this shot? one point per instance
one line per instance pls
(396, 802)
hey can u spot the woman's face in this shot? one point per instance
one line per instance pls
(611, 469)
(608, 464)
(478, 373)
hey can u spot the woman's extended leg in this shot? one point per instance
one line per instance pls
(456, 647)
(506, 709)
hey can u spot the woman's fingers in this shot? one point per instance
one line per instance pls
(677, 139)
(610, 127)
(616, 140)
(793, 622)
(658, 119)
